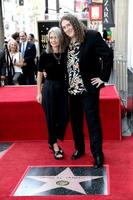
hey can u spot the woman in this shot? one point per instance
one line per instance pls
(86, 76)
(16, 60)
(53, 94)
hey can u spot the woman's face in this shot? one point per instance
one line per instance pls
(68, 28)
(13, 47)
(54, 41)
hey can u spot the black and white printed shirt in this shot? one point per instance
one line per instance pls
(76, 86)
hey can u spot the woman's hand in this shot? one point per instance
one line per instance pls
(96, 81)
(39, 98)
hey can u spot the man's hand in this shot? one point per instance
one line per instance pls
(96, 81)
(24, 64)
(3, 78)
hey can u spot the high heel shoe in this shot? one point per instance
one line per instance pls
(58, 154)
(60, 149)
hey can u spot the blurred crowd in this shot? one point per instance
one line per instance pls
(19, 60)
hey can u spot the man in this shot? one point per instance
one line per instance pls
(32, 39)
(15, 36)
(28, 51)
(6, 67)
(89, 65)
(2, 67)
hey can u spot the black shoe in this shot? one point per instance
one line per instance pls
(60, 149)
(99, 160)
(77, 154)
(57, 154)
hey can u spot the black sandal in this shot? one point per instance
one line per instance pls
(58, 155)
(60, 149)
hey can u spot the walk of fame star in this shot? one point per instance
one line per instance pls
(64, 180)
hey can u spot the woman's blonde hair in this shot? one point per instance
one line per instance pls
(12, 41)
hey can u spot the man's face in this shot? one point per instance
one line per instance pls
(23, 37)
(68, 28)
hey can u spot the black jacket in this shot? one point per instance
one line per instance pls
(2, 63)
(29, 58)
(95, 59)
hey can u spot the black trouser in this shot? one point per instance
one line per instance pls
(88, 103)
(27, 79)
(55, 103)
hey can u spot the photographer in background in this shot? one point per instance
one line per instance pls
(6, 66)
(2, 67)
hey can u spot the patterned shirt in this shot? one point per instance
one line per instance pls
(76, 85)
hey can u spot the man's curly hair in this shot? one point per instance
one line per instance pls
(78, 26)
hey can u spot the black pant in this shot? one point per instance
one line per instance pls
(55, 103)
(88, 103)
(28, 79)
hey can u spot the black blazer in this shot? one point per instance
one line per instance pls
(29, 57)
(2, 63)
(95, 59)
